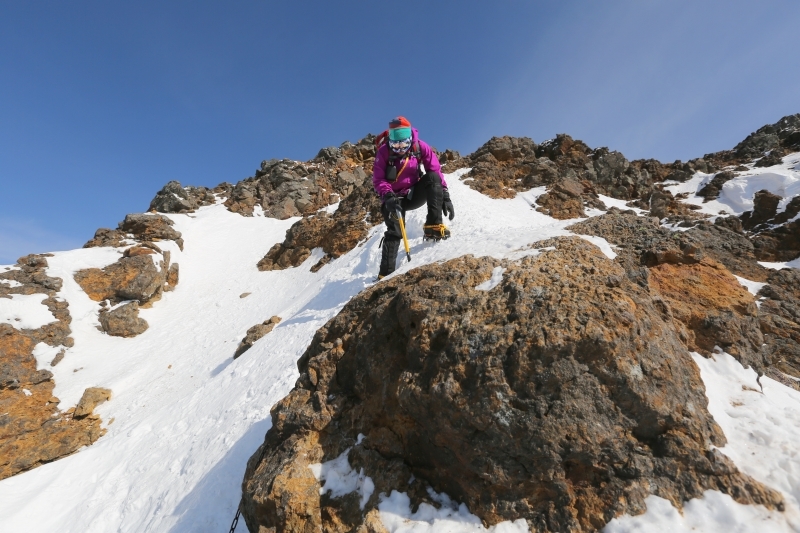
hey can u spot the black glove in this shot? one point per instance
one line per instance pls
(390, 201)
(447, 205)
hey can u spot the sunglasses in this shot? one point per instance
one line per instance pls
(400, 145)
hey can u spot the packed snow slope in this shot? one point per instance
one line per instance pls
(185, 416)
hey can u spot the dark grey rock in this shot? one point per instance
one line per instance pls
(123, 321)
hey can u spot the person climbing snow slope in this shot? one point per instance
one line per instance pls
(407, 175)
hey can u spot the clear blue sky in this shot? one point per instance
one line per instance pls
(102, 103)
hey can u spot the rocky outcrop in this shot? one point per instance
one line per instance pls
(778, 244)
(782, 136)
(713, 307)
(725, 242)
(505, 165)
(135, 278)
(255, 333)
(336, 234)
(708, 305)
(779, 313)
(563, 201)
(711, 190)
(142, 227)
(33, 431)
(773, 157)
(173, 198)
(32, 278)
(564, 396)
(774, 238)
(575, 175)
(149, 227)
(285, 188)
(668, 208)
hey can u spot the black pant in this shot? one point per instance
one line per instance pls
(427, 191)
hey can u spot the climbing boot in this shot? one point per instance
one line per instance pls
(435, 232)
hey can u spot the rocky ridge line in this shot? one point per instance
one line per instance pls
(573, 173)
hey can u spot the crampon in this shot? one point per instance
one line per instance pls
(435, 232)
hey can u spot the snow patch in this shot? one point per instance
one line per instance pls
(11, 283)
(761, 421)
(739, 192)
(44, 354)
(339, 478)
(532, 195)
(620, 204)
(713, 513)
(795, 263)
(25, 311)
(494, 281)
(601, 243)
(451, 517)
(752, 286)
(330, 209)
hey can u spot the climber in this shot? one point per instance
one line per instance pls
(407, 175)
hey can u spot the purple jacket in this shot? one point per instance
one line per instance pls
(409, 176)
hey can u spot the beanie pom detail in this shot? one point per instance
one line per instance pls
(399, 122)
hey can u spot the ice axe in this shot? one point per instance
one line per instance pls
(399, 216)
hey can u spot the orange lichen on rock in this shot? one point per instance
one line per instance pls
(32, 429)
(709, 301)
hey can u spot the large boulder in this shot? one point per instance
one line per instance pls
(122, 321)
(765, 207)
(562, 394)
(778, 244)
(130, 278)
